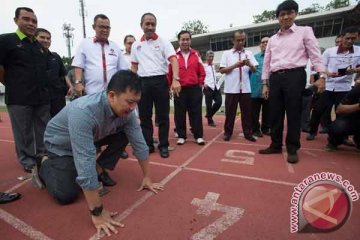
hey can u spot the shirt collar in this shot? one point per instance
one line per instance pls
(96, 40)
(178, 51)
(238, 51)
(154, 37)
(342, 50)
(108, 111)
(22, 36)
(291, 29)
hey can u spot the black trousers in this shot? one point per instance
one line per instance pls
(323, 104)
(189, 100)
(56, 104)
(260, 104)
(213, 101)
(59, 172)
(285, 96)
(155, 91)
(344, 126)
(231, 103)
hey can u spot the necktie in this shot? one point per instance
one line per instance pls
(240, 72)
(212, 71)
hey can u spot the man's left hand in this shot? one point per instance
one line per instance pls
(147, 184)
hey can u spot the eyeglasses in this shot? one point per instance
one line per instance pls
(103, 27)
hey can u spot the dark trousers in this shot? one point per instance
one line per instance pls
(231, 103)
(285, 96)
(213, 101)
(56, 104)
(257, 105)
(28, 125)
(155, 91)
(59, 172)
(189, 100)
(324, 103)
(305, 113)
(342, 127)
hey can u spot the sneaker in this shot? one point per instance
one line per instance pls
(200, 141)
(226, 138)
(164, 152)
(180, 141)
(330, 147)
(349, 143)
(170, 148)
(250, 138)
(310, 137)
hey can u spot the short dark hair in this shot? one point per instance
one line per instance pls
(147, 14)
(239, 32)
(40, 30)
(351, 29)
(102, 16)
(124, 80)
(18, 10)
(127, 36)
(287, 5)
(339, 36)
(183, 32)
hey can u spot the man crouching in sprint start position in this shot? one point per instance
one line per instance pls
(72, 136)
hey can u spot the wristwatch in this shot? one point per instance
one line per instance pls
(176, 78)
(78, 81)
(97, 211)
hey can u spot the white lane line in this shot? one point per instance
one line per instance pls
(22, 227)
(143, 199)
(5, 140)
(242, 176)
(18, 185)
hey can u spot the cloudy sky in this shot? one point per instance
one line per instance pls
(125, 15)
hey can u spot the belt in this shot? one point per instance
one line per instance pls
(288, 70)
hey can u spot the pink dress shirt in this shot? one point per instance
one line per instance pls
(292, 49)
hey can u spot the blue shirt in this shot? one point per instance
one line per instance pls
(75, 129)
(255, 77)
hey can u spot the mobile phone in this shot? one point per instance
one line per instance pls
(342, 71)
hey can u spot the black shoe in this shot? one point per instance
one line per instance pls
(324, 131)
(28, 168)
(305, 130)
(106, 179)
(310, 137)
(124, 155)
(258, 134)
(349, 143)
(211, 122)
(164, 152)
(226, 138)
(266, 132)
(151, 149)
(330, 147)
(292, 158)
(270, 150)
(250, 138)
(8, 197)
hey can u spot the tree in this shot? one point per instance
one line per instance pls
(315, 7)
(195, 27)
(334, 4)
(265, 16)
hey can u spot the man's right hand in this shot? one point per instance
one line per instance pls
(265, 91)
(79, 88)
(176, 87)
(106, 223)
